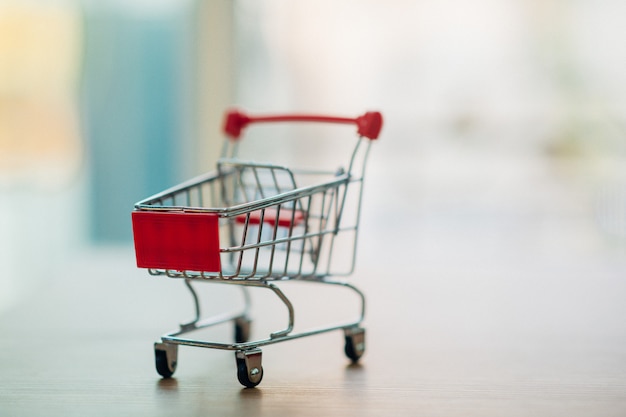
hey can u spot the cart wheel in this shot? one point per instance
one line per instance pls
(249, 369)
(355, 343)
(165, 358)
(242, 329)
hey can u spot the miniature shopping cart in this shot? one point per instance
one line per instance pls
(254, 224)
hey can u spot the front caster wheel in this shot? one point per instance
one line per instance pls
(165, 358)
(355, 343)
(249, 368)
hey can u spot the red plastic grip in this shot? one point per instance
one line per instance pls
(368, 124)
(177, 241)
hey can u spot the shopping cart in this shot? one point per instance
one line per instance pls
(255, 225)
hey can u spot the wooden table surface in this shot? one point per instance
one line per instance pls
(478, 305)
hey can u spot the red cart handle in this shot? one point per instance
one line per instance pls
(368, 125)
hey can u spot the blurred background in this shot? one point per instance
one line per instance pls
(504, 140)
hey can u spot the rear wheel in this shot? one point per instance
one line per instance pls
(355, 343)
(165, 359)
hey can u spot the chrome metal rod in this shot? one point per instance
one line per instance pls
(290, 310)
(171, 338)
(279, 294)
(196, 303)
(275, 337)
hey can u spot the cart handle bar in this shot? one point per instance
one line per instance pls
(368, 124)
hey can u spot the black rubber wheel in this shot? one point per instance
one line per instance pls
(163, 365)
(351, 353)
(242, 329)
(244, 377)
(355, 346)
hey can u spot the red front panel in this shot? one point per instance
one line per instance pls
(177, 241)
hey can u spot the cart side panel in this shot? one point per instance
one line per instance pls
(177, 241)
